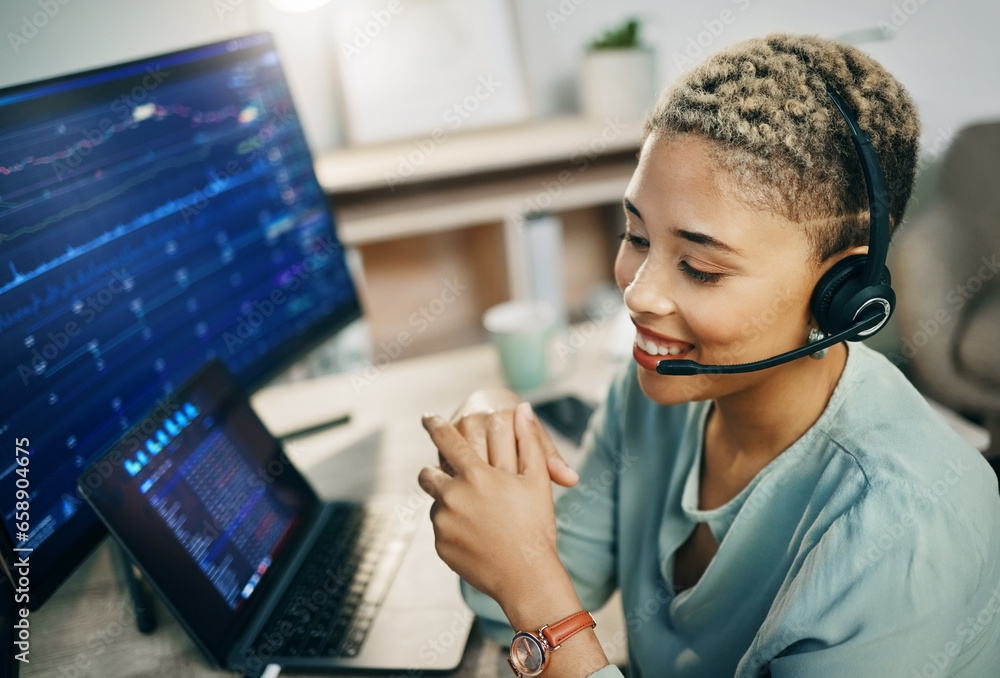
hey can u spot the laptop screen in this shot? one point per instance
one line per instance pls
(203, 498)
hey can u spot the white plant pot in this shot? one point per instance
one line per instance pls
(618, 83)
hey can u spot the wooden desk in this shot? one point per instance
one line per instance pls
(86, 628)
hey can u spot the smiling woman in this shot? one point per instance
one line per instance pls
(813, 519)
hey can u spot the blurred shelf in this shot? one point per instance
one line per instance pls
(501, 200)
(450, 154)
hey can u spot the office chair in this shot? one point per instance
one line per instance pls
(946, 270)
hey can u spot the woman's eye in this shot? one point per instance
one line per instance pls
(634, 240)
(697, 275)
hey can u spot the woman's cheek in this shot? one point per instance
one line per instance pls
(717, 328)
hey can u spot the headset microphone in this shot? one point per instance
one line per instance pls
(854, 299)
(689, 367)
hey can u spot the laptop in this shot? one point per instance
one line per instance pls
(256, 567)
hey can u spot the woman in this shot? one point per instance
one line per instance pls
(813, 519)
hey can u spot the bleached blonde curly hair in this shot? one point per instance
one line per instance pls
(784, 146)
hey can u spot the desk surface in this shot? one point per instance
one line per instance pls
(87, 629)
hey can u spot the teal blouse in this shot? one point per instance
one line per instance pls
(870, 547)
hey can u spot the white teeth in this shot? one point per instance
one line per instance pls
(647, 346)
(652, 348)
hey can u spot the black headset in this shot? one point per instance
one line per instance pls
(854, 299)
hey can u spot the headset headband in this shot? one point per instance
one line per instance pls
(878, 197)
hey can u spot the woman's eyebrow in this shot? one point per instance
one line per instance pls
(706, 240)
(630, 207)
(691, 236)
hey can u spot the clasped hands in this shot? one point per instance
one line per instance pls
(493, 513)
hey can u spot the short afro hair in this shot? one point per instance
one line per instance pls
(785, 147)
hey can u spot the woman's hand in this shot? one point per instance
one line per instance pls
(497, 529)
(486, 421)
(494, 521)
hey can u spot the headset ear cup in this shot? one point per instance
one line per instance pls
(830, 286)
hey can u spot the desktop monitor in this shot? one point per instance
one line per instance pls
(153, 215)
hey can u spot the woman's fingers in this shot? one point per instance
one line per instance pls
(473, 430)
(535, 448)
(500, 441)
(454, 450)
(431, 480)
(487, 400)
(561, 472)
(492, 436)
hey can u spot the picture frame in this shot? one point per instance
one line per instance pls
(412, 69)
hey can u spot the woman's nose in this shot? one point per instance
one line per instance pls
(649, 292)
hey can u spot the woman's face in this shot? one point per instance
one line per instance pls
(706, 278)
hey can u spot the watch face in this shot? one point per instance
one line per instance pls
(527, 654)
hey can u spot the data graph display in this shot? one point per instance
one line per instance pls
(220, 512)
(152, 216)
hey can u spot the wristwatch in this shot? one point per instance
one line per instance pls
(529, 652)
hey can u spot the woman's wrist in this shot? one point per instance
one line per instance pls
(543, 594)
(546, 597)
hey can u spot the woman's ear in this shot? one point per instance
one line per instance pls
(859, 249)
(822, 269)
(837, 258)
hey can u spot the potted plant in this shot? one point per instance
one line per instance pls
(618, 78)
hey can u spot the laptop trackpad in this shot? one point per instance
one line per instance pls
(423, 580)
(417, 638)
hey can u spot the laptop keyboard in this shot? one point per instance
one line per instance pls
(332, 601)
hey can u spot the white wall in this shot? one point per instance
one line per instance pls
(82, 34)
(947, 55)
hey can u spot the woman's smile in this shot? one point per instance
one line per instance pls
(651, 347)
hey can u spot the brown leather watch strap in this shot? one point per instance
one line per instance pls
(556, 634)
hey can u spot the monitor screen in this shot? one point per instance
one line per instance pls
(153, 215)
(208, 505)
